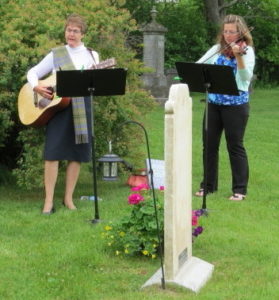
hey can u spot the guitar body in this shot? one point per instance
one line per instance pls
(30, 113)
(36, 111)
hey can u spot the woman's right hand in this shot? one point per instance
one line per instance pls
(44, 91)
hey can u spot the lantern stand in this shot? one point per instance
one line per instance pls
(154, 199)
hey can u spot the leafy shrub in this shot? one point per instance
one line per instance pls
(137, 233)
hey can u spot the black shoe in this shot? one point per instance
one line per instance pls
(52, 211)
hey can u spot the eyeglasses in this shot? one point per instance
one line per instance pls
(74, 31)
(229, 32)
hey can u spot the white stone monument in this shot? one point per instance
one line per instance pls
(180, 266)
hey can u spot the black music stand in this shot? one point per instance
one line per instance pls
(97, 82)
(206, 78)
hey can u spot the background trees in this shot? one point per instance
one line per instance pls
(192, 28)
(264, 17)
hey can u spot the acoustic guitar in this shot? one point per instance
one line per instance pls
(36, 111)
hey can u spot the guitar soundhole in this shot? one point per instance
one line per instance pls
(51, 89)
(44, 102)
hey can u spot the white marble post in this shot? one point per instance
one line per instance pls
(178, 180)
(180, 266)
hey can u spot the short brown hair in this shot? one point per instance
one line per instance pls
(77, 20)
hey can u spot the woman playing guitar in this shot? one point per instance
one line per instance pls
(68, 133)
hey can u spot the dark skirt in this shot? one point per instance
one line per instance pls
(60, 137)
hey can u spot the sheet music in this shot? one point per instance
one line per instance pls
(158, 167)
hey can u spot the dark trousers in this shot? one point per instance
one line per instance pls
(233, 120)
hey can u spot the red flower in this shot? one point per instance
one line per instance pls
(135, 198)
(194, 220)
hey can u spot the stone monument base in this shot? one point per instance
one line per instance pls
(192, 275)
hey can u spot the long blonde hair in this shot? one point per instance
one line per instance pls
(242, 28)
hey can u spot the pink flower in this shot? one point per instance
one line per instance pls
(194, 220)
(135, 198)
(140, 187)
(161, 188)
(135, 188)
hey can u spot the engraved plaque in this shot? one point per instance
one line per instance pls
(183, 256)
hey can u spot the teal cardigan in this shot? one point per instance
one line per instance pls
(244, 76)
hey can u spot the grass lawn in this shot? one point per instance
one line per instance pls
(63, 256)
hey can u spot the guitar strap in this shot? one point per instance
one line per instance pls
(91, 53)
(63, 61)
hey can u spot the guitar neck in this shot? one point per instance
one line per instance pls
(105, 64)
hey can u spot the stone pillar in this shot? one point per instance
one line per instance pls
(154, 57)
(181, 267)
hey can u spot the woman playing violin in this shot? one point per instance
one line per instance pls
(226, 112)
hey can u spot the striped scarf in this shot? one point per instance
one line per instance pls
(63, 61)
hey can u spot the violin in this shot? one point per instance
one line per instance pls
(242, 45)
(227, 50)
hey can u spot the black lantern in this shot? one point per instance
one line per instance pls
(110, 168)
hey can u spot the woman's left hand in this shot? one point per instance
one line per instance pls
(237, 50)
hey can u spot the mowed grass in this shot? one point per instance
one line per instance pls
(63, 256)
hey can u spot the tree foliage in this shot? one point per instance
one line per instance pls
(29, 29)
(264, 18)
(192, 26)
(186, 38)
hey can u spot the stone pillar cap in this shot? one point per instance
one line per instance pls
(153, 26)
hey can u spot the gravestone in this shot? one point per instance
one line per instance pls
(181, 267)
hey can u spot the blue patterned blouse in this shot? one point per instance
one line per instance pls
(221, 99)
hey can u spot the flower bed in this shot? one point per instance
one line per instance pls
(137, 233)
